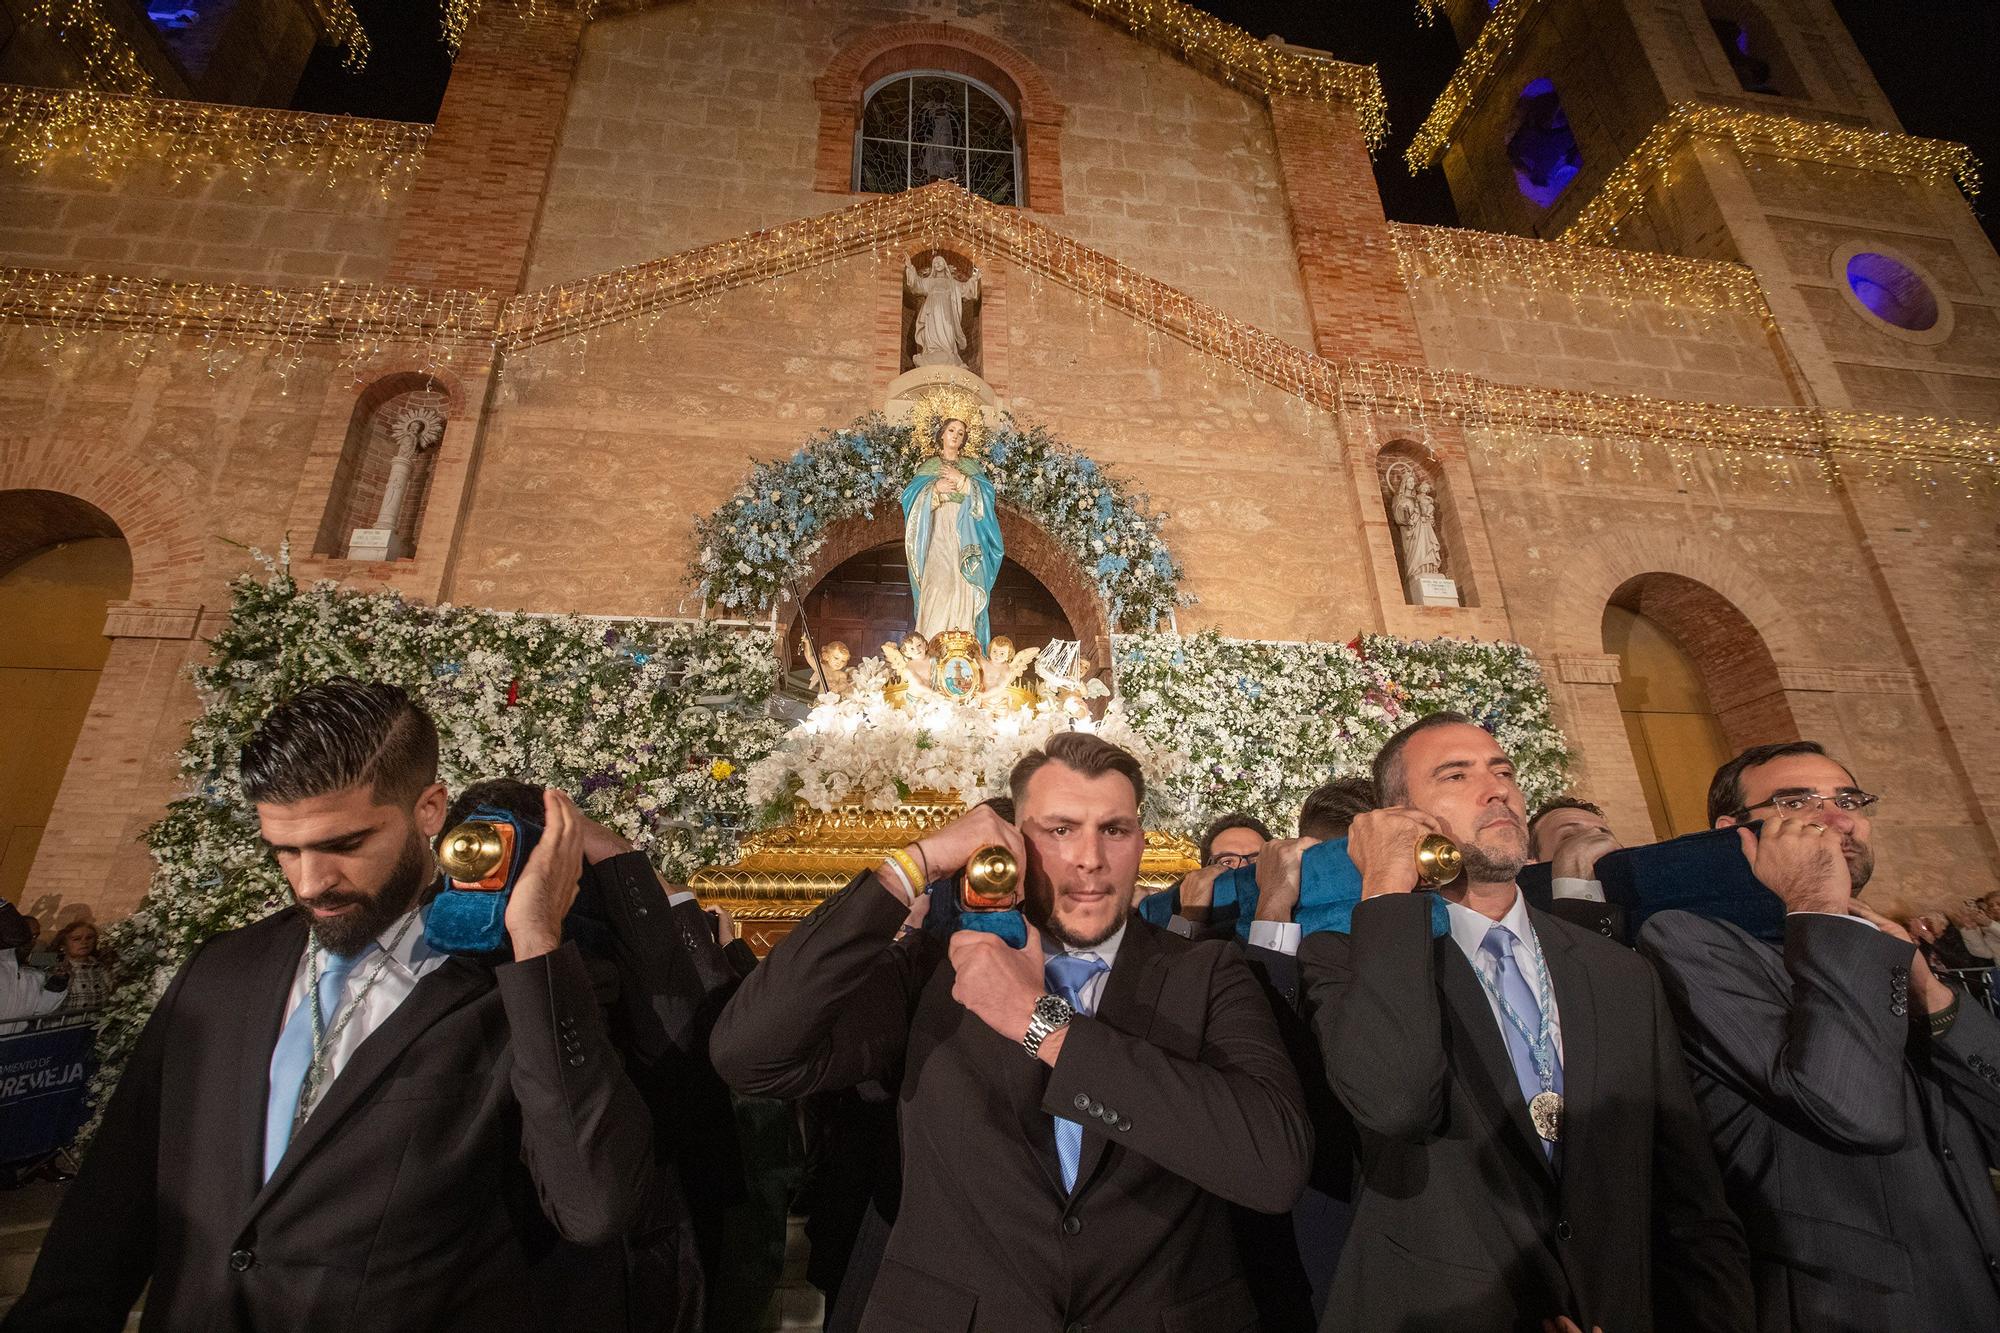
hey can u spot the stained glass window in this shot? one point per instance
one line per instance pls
(918, 128)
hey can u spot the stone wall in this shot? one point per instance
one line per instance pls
(284, 227)
(695, 123)
(1540, 312)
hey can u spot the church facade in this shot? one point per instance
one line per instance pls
(1700, 405)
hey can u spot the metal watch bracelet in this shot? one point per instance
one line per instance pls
(1052, 1014)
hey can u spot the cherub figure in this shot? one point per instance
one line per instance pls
(829, 665)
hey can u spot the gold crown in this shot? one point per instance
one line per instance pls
(948, 403)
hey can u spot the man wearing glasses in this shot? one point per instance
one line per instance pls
(1850, 1094)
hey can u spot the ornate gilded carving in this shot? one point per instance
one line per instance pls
(785, 872)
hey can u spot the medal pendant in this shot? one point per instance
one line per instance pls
(1546, 1111)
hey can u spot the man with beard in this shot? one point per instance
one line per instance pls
(1530, 1155)
(328, 1125)
(1852, 1095)
(1060, 1103)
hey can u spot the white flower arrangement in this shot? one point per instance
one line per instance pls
(755, 551)
(861, 749)
(1262, 724)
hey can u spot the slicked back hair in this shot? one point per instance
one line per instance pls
(1330, 809)
(1392, 786)
(1725, 790)
(338, 734)
(1080, 752)
(1226, 823)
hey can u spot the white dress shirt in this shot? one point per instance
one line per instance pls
(1468, 931)
(411, 962)
(1589, 890)
(1281, 936)
(1107, 953)
(24, 994)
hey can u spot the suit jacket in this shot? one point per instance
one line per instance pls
(672, 981)
(1181, 1055)
(1853, 1145)
(486, 1119)
(1460, 1220)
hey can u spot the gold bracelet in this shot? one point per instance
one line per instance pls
(906, 863)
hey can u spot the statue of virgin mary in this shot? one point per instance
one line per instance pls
(951, 536)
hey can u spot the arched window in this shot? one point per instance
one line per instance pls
(919, 127)
(1541, 147)
(1755, 55)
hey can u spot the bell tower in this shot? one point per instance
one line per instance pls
(1744, 130)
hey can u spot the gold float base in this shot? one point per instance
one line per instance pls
(783, 873)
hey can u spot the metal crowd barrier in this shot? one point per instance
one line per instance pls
(45, 1072)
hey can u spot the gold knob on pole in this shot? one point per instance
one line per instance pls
(991, 877)
(1438, 860)
(472, 851)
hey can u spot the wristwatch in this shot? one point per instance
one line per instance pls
(1052, 1015)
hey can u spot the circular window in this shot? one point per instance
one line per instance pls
(1892, 291)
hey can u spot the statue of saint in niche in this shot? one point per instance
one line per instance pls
(939, 327)
(951, 527)
(1413, 509)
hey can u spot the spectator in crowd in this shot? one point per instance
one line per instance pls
(1229, 843)
(88, 970)
(1530, 1154)
(26, 993)
(1852, 1095)
(1063, 1105)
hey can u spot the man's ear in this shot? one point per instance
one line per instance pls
(1725, 821)
(430, 811)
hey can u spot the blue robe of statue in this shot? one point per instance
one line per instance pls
(979, 548)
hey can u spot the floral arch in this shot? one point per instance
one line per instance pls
(793, 519)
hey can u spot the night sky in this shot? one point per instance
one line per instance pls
(1927, 56)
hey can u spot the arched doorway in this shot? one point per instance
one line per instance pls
(865, 602)
(1697, 685)
(62, 562)
(1676, 741)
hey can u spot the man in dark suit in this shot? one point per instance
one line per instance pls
(1060, 1103)
(1853, 1096)
(326, 1124)
(1530, 1155)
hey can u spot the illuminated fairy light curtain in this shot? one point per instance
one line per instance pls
(434, 327)
(1764, 134)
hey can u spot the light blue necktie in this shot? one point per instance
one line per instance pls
(293, 1056)
(1520, 997)
(1067, 976)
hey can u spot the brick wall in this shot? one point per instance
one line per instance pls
(472, 212)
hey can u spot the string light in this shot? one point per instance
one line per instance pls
(110, 132)
(437, 327)
(343, 28)
(1238, 58)
(1765, 133)
(110, 63)
(1496, 39)
(1694, 291)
